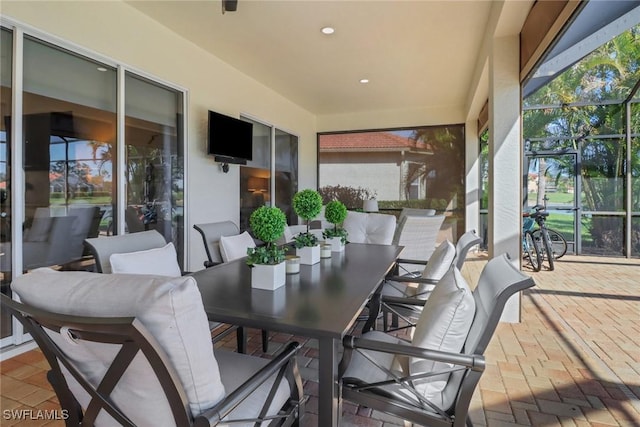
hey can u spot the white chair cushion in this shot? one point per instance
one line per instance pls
(157, 261)
(443, 325)
(370, 227)
(234, 247)
(236, 368)
(438, 265)
(170, 308)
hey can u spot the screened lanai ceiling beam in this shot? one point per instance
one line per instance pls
(581, 39)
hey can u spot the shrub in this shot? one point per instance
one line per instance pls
(352, 197)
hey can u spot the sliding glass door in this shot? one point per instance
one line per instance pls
(6, 93)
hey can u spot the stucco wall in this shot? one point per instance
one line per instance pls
(116, 31)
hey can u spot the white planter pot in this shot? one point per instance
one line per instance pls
(269, 277)
(309, 255)
(336, 244)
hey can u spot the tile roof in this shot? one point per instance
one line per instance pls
(368, 141)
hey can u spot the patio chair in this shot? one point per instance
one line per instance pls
(211, 233)
(396, 289)
(415, 212)
(418, 234)
(391, 301)
(145, 252)
(430, 380)
(370, 227)
(223, 242)
(103, 247)
(115, 361)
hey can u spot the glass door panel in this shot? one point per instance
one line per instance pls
(286, 173)
(6, 92)
(154, 159)
(255, 177)
(69, 131)
(551, 182)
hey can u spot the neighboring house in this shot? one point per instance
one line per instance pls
(382, 162)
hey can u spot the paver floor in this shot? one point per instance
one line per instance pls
(574, 360)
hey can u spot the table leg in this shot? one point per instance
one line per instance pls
(329, 405)
(374, 311)
(241, 340)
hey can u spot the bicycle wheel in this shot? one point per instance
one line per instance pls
(532, 251)
(547, 248)
(558, 242)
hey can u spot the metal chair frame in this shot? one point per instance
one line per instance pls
(498, 282)
(134, 338)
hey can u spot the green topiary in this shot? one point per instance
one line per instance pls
(267, 224)
(307, 204)
(335, 212)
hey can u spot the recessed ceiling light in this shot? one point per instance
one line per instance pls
(102, 69)
(363, 81)
(328, 30)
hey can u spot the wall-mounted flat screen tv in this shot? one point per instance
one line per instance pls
(230, 139)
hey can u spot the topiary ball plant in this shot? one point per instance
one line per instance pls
(335, 212)
(307, 204)
(267, 224)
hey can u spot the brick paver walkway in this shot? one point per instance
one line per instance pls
(574, 360)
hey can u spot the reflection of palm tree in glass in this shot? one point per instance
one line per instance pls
(442, 169)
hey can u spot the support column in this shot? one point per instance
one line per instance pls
(505, 157)
(472, 176)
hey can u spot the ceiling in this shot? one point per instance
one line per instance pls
(416, 54)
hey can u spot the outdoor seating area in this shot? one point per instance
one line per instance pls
(572, 361)
(367, 213)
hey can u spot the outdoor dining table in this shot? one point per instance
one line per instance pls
(323, 301)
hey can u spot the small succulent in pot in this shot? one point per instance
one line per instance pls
(267, 224)
(335, 212)
(307, 204)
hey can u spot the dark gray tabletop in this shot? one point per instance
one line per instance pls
(323, 300)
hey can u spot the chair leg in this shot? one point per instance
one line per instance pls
(265, 340)
(394, 320)
(241, 340)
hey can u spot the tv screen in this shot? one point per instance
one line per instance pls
(230, 139)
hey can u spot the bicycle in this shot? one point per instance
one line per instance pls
(530, 246)
(551, 244)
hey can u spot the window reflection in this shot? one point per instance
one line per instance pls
(69, 134)
(154, 159)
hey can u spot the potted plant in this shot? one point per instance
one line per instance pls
(268, 267)
(335, 212)
(307, 204)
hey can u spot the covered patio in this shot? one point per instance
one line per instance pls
(573, 361)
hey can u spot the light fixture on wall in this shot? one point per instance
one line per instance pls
(257, 185)
(229, 6)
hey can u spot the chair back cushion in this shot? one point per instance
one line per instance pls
(234, 247)
(103, 247)
(158, 261)
(443, 325)
(211, 233)
(439, 263)
(370, 227)
(418, 235)
(172, 311)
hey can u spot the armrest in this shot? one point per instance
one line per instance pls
(475, 362)
(215, 415)
(409, 279)
(402, 300)
(208, 264)
(411, 261)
